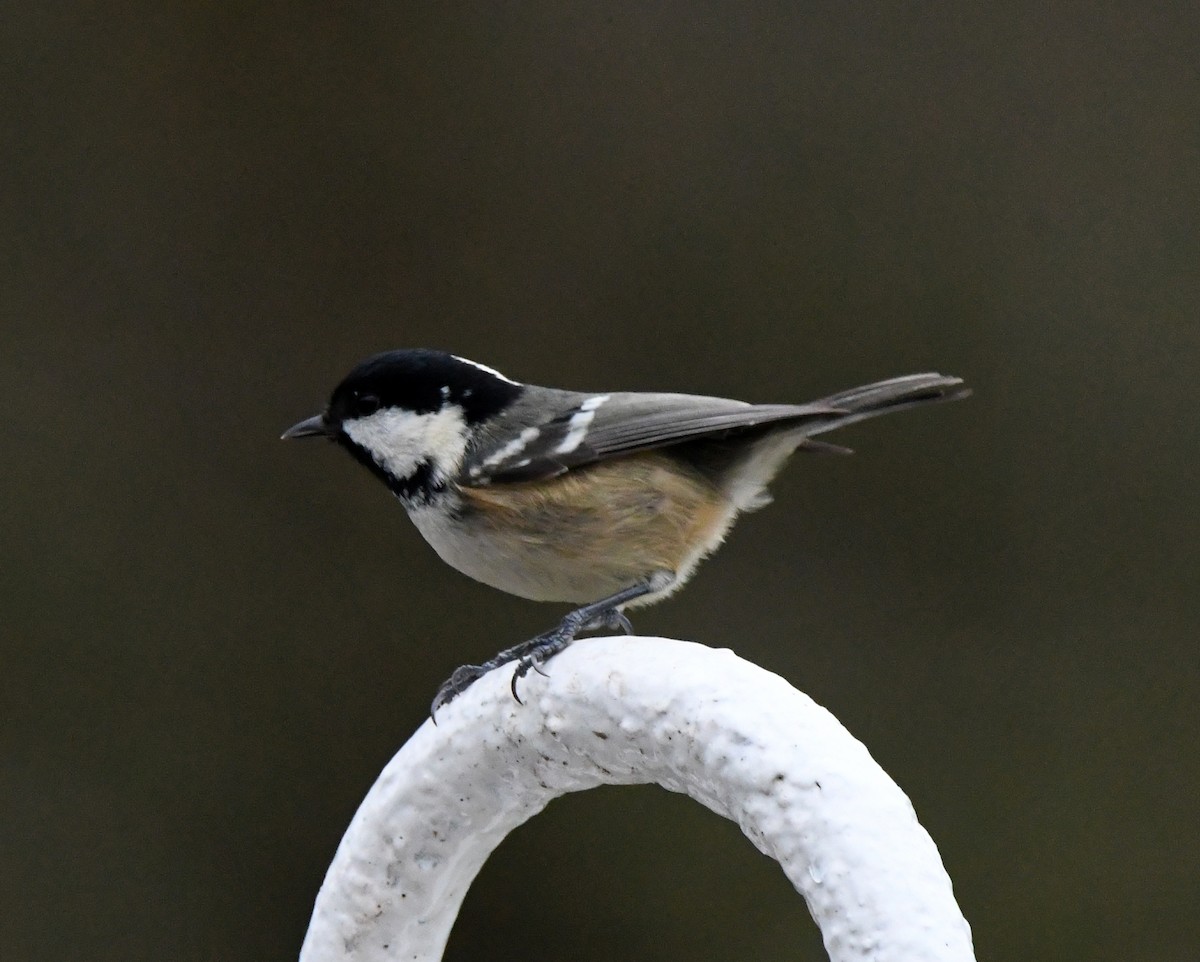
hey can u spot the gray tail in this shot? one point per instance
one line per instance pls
(882, 397)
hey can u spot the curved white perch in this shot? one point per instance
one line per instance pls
(628, 710)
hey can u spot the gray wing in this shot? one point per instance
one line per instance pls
(599, 426)
(523, 445)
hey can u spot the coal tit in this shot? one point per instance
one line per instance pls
(608, 500)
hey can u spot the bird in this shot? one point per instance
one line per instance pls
(606, 500)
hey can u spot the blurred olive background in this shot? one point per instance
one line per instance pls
(213, 641)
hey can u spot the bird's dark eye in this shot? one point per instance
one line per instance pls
(366, 404)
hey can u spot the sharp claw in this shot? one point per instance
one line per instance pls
(610, 620)
(462, 678)
(445, 695)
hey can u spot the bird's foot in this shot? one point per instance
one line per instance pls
(541, 649)
(465, 676)
(529, 655)
(544, 647)
(532, 654)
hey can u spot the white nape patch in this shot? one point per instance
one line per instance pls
(400, 440)
(578, 425)
(513, 448)
(483, 367)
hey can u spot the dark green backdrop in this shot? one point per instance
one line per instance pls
(212, 642)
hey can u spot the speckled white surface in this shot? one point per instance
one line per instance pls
(731, 735)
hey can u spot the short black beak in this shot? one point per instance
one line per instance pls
(314, 427)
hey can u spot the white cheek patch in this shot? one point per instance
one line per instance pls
(578, 425)
(483, 367)
(400, 441)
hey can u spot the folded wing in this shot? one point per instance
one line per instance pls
(600, 426)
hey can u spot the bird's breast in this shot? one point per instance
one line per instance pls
(583, 535)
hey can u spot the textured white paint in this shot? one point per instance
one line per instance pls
(483, 367)
(731, 735)
(578, 425)
(399, 440)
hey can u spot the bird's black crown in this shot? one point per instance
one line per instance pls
(421, 381)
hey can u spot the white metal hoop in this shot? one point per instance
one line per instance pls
(733, 736)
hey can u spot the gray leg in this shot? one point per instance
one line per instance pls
(529, 655)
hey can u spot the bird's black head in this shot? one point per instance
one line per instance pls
(407, 415)
(423, 382)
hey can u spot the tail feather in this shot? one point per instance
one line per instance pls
(884, 397)
(810, 446)
(746, 486)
